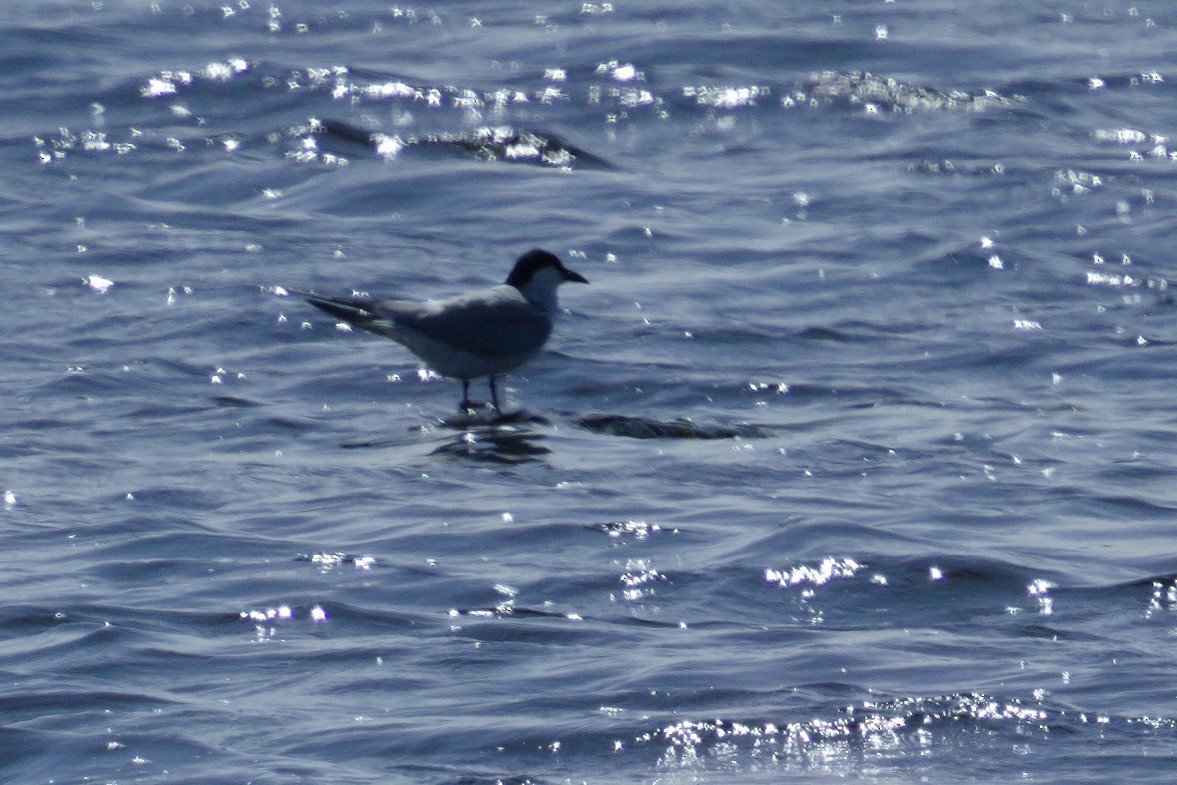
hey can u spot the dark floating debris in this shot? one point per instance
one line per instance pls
(682, 428)
(233, 402)
(488, 143)
(349, 133)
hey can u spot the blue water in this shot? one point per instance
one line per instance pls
(854, 463)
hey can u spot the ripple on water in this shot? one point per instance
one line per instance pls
(918, 734)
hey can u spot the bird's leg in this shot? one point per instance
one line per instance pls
(464, 405)
(494, 394)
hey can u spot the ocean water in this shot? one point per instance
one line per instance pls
(854, 463)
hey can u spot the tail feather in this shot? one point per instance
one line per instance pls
(353, 310)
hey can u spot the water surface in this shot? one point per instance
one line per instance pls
(854, 462)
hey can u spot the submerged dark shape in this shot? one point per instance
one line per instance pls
(488, 143)
(348, 132)
(681, 428)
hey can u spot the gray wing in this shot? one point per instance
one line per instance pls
(496, 322)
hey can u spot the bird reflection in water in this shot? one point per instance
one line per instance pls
(494, 438)
(479, 434)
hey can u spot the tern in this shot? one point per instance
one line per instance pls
(487, 332)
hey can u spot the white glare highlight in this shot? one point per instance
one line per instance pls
(1040, 590)
(625, 73)
(98, 283)
(829, 569)
(158, 87)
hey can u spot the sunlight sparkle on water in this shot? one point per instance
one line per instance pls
(726, 97)
(838, 742)
(388, 146)
(98, 283)
(1120, 135)
(625, 73)
(1164, 598)
(638, 530)
(1039, 590)
(391, 90)
(282, 612)
(328, 561)
(223, 72)
(157, 87)
(829, 569)
(524, 150)
(638, 578)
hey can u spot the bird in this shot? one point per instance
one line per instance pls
(486, 332)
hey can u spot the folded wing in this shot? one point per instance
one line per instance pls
(496, 322)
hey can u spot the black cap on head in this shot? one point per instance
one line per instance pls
(537, 259)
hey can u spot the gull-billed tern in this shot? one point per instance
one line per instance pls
(487, 332)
